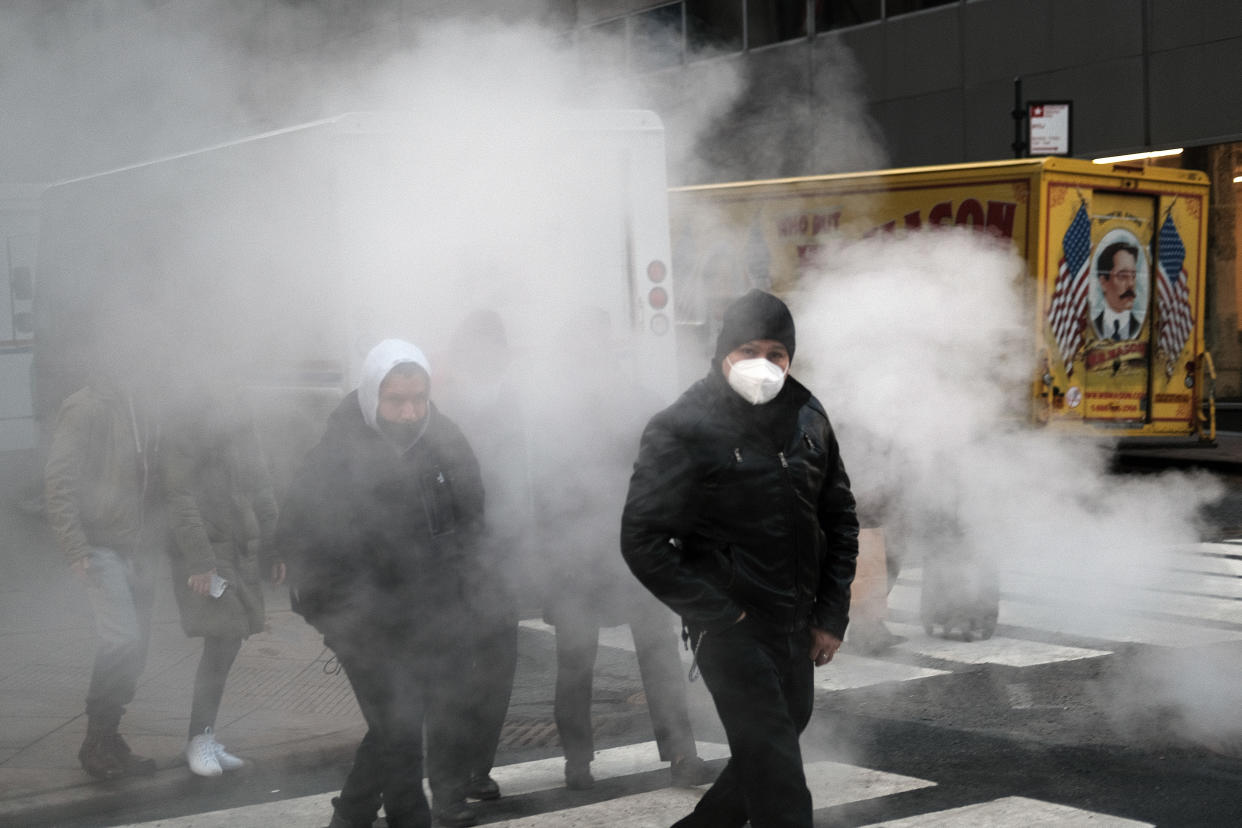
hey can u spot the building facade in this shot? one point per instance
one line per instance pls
(842, 85)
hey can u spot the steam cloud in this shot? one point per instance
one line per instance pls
(917, 346)
(920, 349)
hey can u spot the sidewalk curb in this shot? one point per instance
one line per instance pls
(170, 781)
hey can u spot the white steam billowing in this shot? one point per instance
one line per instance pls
(920, 349)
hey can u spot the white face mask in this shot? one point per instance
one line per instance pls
(756, 380)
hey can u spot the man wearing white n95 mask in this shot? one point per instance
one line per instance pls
(740, 517)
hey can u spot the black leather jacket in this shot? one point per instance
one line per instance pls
(736, 507)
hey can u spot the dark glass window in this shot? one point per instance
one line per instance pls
(896, 7)
(713, 26)
(774, 21)
(655, 38)
(836, 14)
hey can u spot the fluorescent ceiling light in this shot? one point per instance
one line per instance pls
(1138, 156)
(1237, 179)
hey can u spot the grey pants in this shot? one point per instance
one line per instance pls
(121, 589)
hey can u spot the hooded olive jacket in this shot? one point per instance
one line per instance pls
(222, 516)
(734, 507)
(100, 469)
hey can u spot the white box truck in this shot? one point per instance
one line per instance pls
(284, 257)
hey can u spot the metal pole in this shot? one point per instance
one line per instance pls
(1019, 115)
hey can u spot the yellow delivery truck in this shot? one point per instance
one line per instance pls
(1116, 255)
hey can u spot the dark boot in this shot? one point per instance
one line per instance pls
(339, 821)
(96, 756)
(578, 776)
(690, 771)
(455, 813)
(131, 763)
(482, 786)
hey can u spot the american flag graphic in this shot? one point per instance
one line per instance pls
(1067, 313)
(1172, 295)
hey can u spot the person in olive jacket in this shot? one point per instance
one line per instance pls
(222, 520)
(102, 507)
(381, 531)
(739, 516)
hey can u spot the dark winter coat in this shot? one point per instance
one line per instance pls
(221, 516)
(382, 545)
(585, 451)
(736, 507)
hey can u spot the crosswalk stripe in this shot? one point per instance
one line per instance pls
(514, 780)
(1012, 812)
(834, 783)
(547, 774)
(846, 671)
(849, 672)
(654, 809)
(1213, 558)
(1007, 652)
(831, 784)
(1110, 626)
(1200, 596)
(1091, 621)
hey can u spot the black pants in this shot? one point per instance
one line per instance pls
(763, 685)
(213, 671)
(400, 688)
(655, 644)
(492, 670)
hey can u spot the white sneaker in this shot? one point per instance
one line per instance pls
(200, 755)
(227, 761)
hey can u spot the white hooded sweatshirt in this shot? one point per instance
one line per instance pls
(383, 358)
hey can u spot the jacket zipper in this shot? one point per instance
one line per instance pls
(790, 497)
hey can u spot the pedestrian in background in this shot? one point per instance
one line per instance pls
(589, 434)
(381, 530)
(222, 522)
(101, 499)
(740, 517)
(479, 394)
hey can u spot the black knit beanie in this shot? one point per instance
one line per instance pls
(757, 315)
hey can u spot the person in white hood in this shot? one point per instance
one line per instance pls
(381, 531)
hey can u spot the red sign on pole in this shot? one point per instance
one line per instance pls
(1050, 128)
